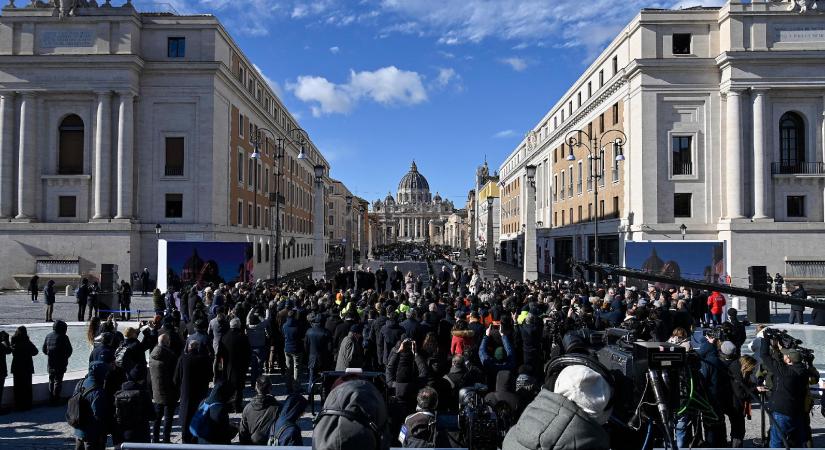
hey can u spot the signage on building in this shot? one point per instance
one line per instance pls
(806, 33)
(66, 38)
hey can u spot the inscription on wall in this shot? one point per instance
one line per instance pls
(67, 38)
(807, 33)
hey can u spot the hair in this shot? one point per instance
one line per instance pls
(164, 340)
(92, 330)
(262, 385)
(680, 332)
(20, 333)
(748, 364)
(130, 332)
(460, 325)
(427, 398)
(430, 344)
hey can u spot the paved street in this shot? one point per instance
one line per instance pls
(17, 308)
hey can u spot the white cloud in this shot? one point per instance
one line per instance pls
(334, 50)
(517, 64)
(272, 84)
(504, 134)
(387, 86)
(445, 75)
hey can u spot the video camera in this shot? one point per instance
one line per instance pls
(720, 333)
(477, 421)
(785, 340)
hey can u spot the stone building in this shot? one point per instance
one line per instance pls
(114, 121)
(722, 110)
(413, 215)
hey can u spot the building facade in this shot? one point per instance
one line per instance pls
(722, 113)
(413, 215)
(115, 121)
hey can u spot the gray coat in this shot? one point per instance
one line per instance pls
(551, 421)
(350, 354)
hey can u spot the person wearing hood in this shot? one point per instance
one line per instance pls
(91, 435)
(354, 417)
(22, 368)
(235, 353)
(162, 364)
(49, 297)
(192, 376)
(285, 431)
(351, 350)
(216, 427)
(571, 416)
(58, 349)
(5, 349)
(259, 414)
(505, 393)
(133, 408)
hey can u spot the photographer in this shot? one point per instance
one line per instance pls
(502, 358)
(789, 392)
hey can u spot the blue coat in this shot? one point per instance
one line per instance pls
(293, 336)
(94, 427)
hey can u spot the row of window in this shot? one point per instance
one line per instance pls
(289, 222)
(568, 219)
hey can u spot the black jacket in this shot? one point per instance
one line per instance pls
(57, 348)
(799, 293)
(22, 352)
(256, 420)
(235, 352)
(381, 277)
(318, 346)
(392, 333)
(413, 330)
(5, 349)
(133, 411)
(162, 364)
(192, 376)
(790, 384)
(818, 317)
(396, 280)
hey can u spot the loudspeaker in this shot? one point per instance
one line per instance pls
(108, 277)
(759, 311)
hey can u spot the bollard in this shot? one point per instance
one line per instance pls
(68, 290)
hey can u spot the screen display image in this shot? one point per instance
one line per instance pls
(206, 262)
(695, 260)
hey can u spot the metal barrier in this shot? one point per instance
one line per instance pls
(133, 446)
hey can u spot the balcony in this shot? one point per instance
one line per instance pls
(685, 168)
(798, 168)
(173, 171)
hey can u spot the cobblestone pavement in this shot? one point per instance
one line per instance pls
(17, 307)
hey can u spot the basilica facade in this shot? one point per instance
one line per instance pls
(413, 215)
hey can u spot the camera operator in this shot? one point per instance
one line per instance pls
(788, 395)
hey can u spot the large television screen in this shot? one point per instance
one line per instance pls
(695, 260)
(203, 262)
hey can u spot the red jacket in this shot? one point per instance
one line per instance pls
(716, 302)
(461, 339)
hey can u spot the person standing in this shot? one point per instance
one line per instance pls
(798, 311)
(5, 349)
(82, 296)
(91, 435)
(778, 283)
(49, 296)
(162, 364)
(192, 377)
(125, 294)
(94, 302)
(318, 347)
(133, 408)
(34, 287)
(235, 352)
(145, 279)
(716, 305)
(381, 279)
(58, 349)
(351, 350)
(293, 351)
(22, 368)
(259, 415)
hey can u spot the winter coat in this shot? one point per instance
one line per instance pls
(135, 354)
(818, 317)
(293, 336)
(413, 330)
(95, 426)
(716, 303)
(492, 365)
(256, 420)
(192, 376)
(236, 353)
(133, 410)
(49, 293)
(5, 349)
(551, 421)
(391, 333)
(221, 430)
(257, 332)
(405, 372)
(350, 354)
(800, 294)
(461, 339)
(22, 352)
(396, 280)
(285, 430)
(715, 373)
(57, 348)
(530, 334)
(162, 364)
(358, 397)
(318, 346)
(505, 391)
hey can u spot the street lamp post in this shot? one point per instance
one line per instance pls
(361, 231)
(348, 242)
(490, 265)
(318, 260)
(531, 272)
(299, 138)
(595, 151)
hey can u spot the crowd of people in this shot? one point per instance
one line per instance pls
(404, 352)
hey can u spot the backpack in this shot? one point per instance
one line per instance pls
(201, 424)
(275, 434)
(79, 409)
(128, 408)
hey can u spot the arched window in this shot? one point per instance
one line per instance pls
(791, 140)
(70, 151)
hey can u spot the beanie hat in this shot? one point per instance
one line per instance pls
(499, 353)
(728, 348)
(586, 388)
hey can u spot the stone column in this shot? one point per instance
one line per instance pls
(125, 141)
(760, 188)
(27, 158)
(103, 155)
(318, 257)
(530, 258)
(733, 153)
(6, 154)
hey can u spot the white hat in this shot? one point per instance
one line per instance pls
(587, 389)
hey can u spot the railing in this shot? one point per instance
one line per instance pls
(798, 168)
(683, 169)
(173, 171)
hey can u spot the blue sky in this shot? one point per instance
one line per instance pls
(377, 83)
